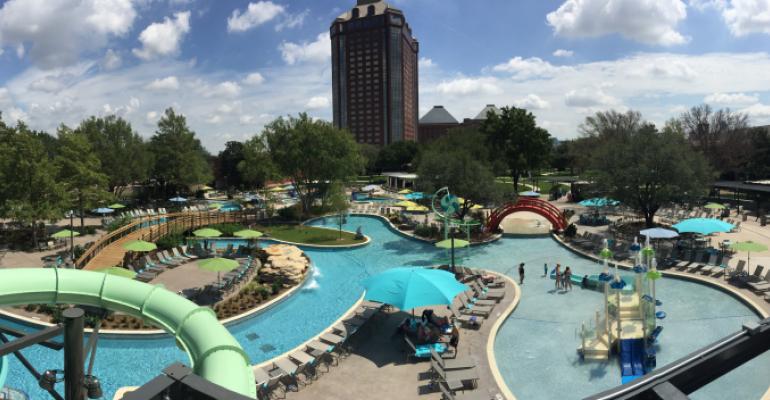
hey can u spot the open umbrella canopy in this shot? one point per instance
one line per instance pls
(64, 233)
(248, 234)
(370, 188)
(215, 206)
(659, 233)
(447, 244)
(599, 202)
(715, 206)
(277, 189)
(406, 204)
(417, 209)
(529, 193)
(116, 206)
(207, 232)
(140, 246)
(177, 199)
(118, 272)
(218, 264)
(405, 191)
(409, 288)
(414, 196)
(703, 226)
(748, 246)
(477, 207)
(103, 210)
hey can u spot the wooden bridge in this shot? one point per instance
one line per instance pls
(108, 250)
(552, 213)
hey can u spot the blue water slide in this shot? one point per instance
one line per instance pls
(631, 359)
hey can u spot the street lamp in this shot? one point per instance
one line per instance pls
(72, 236)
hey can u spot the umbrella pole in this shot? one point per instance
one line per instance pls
(453, 255)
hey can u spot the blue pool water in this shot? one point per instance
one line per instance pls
(535, 346)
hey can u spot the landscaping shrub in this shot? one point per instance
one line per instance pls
(571, 231)
(117, 223)
(170, 241)
(426, 231)
(293, 213)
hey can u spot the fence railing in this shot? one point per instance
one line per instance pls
(157, 226)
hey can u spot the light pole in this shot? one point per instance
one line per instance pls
(72, 237)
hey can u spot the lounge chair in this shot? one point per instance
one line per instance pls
(145, 277)
(474, 310)
(265, 383)
(228, 251)
(701, 262)
(173, 257)
(178, 255)
(187, 254)
(762, 285)
(466, 320)
(687, 259)
(738, 271)
(452, 363)
(170, 262)
(468, 295)
(447, 394)
(714, 263)
(671, 260)
(484, 293)
(456, 379)
(148, 263)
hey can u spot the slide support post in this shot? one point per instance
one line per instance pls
(73, 354)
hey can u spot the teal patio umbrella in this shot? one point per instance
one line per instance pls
(409, 288)
(703, 226)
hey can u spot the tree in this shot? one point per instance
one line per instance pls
(758, 160)
(30, 191)
(338, 202)
(398, 156)
(180, 160)
(514, 136)
(123, 155)
(722, 136)
(464, 171)
(226, 166)
(256, 168)
(312, 153)
(369, 154)
(644, 168)
(80, 171)
(562, 158)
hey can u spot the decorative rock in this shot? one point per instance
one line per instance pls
(284, 262)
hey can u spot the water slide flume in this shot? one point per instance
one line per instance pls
(214, 353)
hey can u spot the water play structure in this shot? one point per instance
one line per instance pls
(628, 320)
(214, 354)
(544, 208)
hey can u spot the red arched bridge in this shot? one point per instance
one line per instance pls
(552, 213)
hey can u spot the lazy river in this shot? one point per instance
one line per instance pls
(535, 348)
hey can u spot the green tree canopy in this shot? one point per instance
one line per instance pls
(122, 153)
(722, 136)
(256, 168)
(180, 159)
(398, 156)
(458, 161)
(645, 168)
(514, 137)
(312, 153)
(369, 154)
(80, 171)
(226, 166)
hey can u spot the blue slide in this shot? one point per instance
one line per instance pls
(631, 359)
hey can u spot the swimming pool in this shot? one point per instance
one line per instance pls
(538, 340)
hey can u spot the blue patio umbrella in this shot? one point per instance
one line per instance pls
(103, 210)
(409, 288)
(659, 233)
(599, 202)
(177, 199)
(703, 226)
(529, 193)
(414, 196)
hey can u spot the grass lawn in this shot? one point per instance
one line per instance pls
(308, 235)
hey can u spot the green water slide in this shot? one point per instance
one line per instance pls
(214, 353)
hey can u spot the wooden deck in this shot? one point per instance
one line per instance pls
(113, 254)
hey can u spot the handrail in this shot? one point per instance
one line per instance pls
(548, 210)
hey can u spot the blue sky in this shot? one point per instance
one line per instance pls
(231, 66)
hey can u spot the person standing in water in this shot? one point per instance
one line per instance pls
(568, 279)
(545, 270)
(521, 274)
(558, 276)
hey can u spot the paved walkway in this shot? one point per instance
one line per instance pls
(378, 368)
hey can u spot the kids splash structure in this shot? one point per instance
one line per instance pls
(628, 320)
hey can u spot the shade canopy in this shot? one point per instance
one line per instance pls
(207, 232)
(529, 193)
(715, 206)
(414, 196)
(447, 244)
(409, 288)
(103, 210)
(215, 206)
(405, 191)
(406, 204)
(248, 234)
(748, 246)
(370, 188)
(703, 226)
(599, 202)
(64, 233)
(659, 233)
(177, 199)
(218, 264)
(277, 189)
(116, 206)
(140, 246)
(118, 271)
(417, 209)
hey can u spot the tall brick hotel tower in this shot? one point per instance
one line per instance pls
(374, 74)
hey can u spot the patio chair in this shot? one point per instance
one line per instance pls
(757, 275)
(670, 260)
(265, 383)
(762, 285)
(738, 271)
(686, 260)
(228, 251)
(185, 253)
(474, 310)
(170, 262)
(466, 320)
(447, 394)
(309, 362)
(715, 263)
(470, 298)
(178, 254)
(173, 257)
(700, 263)
(148, 263)
(452, 363)
(485, 293)
(455, 379)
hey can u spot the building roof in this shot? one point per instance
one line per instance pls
(742, 186)
(400, 175)
(379, 8)
(438, 115)
(483, 113)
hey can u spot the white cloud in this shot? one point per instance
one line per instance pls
(214, 119)
(463, 86)
(531, 102)
(223, 89)
(163, 38)
(111, 60)
(318, 51)
(20, 51)
(152, 117)
(56, 33)
(526, 68)
(16, 114)
(563, 53)
(292, 21)
(167, 83)
(587, 98)
(317, 102)
(662, 68)
(731, 99)
(255, 15)
(744, 17)
(651, 22)
(47, 84)
(425, 62)
(758, 110)
(246, 119)
(254, 78)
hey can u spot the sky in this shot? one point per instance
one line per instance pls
(232, 66)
